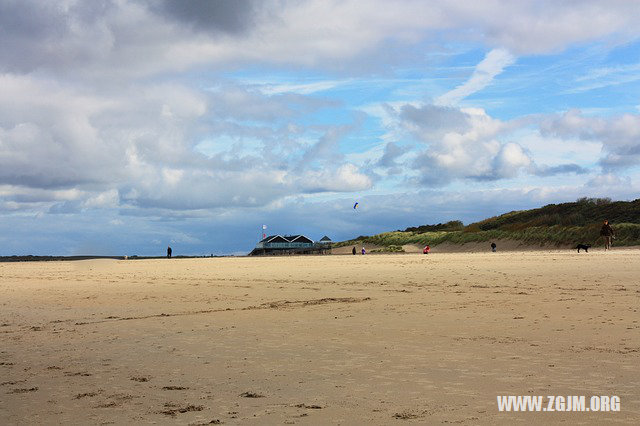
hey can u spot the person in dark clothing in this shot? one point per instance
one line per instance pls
(493, 247)
(354, 250)
(608, 233)
(168, 252)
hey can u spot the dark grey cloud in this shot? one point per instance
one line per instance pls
(30, 19)
(35, 34)
(614, 161)
(227, 16)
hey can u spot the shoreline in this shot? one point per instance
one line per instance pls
(506, 246)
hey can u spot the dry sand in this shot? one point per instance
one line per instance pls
(386, 339)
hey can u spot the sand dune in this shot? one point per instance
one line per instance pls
(379, 339)
(473, 247)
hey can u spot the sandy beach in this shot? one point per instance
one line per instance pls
(380, 339)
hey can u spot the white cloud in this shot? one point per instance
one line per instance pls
(103, 200)
(109, 42)
(469, 144)
(607, 76)
(172, 176)
(145, 143)
(493, 64)
(609, 183)
(511, 158)
(555, 150)
(346, 178)
(619, 135)
(301, 88)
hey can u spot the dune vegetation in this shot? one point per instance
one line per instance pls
(554, 224)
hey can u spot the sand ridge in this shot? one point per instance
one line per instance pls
(319, 339)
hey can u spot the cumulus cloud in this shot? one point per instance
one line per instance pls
(509, 160)
(479, 160)
(467, 143)
(461, 144)
(619, 135)
(143, 142)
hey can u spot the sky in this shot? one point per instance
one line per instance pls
(130, 125)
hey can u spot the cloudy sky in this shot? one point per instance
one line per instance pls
(128, 125)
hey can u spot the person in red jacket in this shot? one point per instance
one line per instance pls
(427, 249)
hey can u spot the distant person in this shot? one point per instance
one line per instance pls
(169, 252)
(354, 250)
(363, 251)
(608, 233)
(426, 249)
(493, 247)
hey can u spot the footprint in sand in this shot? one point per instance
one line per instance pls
(173, 409)
(405, 415)
(86, 395)
(23, 390)
(310, 407)
(80, 373)
(251, 395)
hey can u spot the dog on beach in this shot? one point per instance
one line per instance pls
(584, 247)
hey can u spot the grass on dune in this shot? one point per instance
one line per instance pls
(555, 224)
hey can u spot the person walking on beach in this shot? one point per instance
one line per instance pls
(363, 251)
(493, 247)
(169, 252)
(608, 233)
(354, 250)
